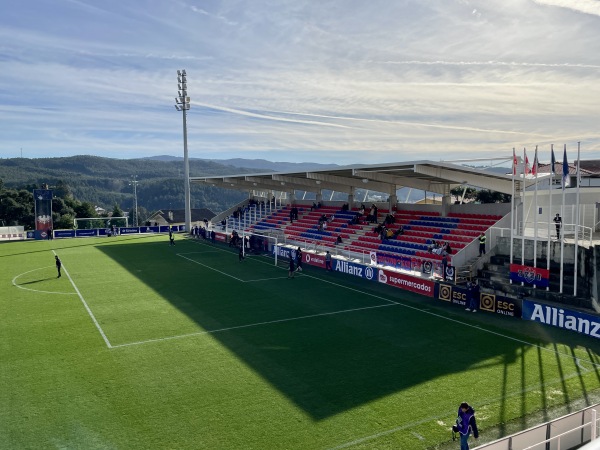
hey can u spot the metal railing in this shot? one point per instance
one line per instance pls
(563, 433)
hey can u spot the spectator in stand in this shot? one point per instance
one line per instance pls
(389, 234)
(345, 207)
(339, 239)
(481, 244)
(362, 210)
(399, 231)
(557, 224)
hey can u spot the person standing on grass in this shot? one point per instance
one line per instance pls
(241, 253)
(465, 424)
(171, 237)
(292, 268)
(328, 261)
(299, 259)
(58, 264)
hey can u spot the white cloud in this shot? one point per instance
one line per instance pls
(583, 6)
(341, 81)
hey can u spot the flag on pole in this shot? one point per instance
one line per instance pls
(534, 169)
(552, 163)
(565, 175)
(527, 170)
(515, 162)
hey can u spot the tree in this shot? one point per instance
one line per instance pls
(470, 193)
(85, 209)
(117, 211)
(487, 196)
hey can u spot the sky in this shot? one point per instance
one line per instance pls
(330, 81)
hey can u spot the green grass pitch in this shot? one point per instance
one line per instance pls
(141, 345)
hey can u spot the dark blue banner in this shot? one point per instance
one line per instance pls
(562, 318)
(64, 233)
(357, 270)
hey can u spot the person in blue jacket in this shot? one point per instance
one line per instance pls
(465, 424)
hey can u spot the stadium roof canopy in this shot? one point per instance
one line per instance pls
(430, 176)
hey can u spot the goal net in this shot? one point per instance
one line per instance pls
(256, 243)
(89, 223)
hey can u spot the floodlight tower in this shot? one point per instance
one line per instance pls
(134, 183)
(182, 103)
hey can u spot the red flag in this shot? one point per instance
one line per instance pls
(515, 162)
(534, 169)
(527, 170)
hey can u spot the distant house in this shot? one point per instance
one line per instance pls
(99, 210)
(177, 216)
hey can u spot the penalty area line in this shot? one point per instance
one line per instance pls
(87, 308)
(249, 325)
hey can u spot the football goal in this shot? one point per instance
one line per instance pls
(89, 223)
(259, 243)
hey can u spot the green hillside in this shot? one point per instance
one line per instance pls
(106, 182)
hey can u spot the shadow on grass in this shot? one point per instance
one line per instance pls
(331, 363)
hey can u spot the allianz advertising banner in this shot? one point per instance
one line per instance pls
(356, 270)
(562, 318)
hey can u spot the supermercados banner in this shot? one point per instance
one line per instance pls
(408, 283)
(43, 212)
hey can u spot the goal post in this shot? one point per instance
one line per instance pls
(88, 223)
(255, 243)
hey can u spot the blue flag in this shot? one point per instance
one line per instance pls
(566, 178)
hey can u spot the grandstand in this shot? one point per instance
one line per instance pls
(455, 224)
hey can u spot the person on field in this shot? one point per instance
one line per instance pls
(292, 268)
(328, 261)
(465, 424)
(58, 264)
(241, 253)
(171, 237)
(299, 259)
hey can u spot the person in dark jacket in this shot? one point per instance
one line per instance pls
(465, 424)
(58, 264)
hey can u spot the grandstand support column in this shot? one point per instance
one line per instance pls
(319, 196)
(351, 197)
(393, 200)
(182, 103)
(292, 197)
(446, 202)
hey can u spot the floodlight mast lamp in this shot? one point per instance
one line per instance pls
(182, 103)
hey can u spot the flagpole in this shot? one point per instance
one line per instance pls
(523, 215)
(577, 221)
(562, 212)
(535, 213)
(512, 207)
(551, 184)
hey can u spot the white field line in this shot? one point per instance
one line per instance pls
(108, 344)
(198, 333)
(208, 267)
(459, 322)
(14, 282)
